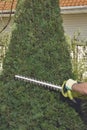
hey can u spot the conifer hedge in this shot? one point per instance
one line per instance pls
(38, 50)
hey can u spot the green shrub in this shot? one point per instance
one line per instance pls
(37, 49)
(4, 41)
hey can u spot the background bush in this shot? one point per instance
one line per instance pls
(4, 41)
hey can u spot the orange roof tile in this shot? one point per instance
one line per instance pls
(64, 3)
(6, 4)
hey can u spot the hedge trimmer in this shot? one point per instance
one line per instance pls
(66, 93)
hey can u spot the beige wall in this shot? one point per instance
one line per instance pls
(4, 21)
(75, 22)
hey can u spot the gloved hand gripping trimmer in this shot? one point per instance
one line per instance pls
(66, 93)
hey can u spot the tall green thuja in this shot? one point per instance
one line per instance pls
(37, 49)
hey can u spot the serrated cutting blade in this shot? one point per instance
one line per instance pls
(31, 80)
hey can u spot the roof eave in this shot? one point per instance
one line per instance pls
(73, 9)
(6, 13)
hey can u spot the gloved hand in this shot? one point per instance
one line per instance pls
(66, 92)
(70, 83)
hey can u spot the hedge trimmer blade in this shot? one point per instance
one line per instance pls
(66, 93)
(41, 83)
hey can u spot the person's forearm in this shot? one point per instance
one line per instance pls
(81, 88)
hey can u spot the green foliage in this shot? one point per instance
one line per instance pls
(79, 65)
(37, 49)
(79, 56)
(4, 41)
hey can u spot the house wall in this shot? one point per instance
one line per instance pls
(75, 22)
(3, 22)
